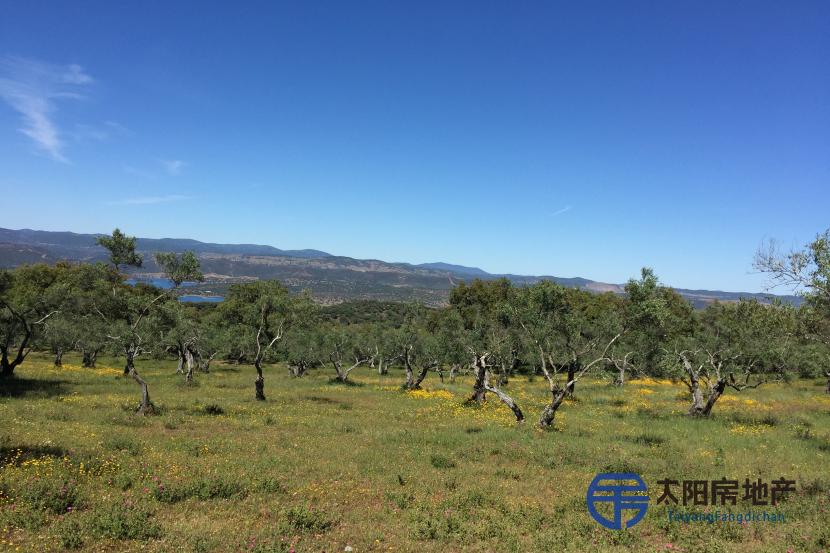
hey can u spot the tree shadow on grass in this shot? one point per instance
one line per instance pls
(20, 453)
(226, 369)
(338, 382)
(16, 387)
(321, 399)
(345, 405)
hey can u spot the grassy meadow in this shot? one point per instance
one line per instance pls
(330, 467)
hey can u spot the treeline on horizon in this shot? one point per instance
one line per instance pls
(491, 330)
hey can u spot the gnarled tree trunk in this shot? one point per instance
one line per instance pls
(7, 366)
(413, 381)
(479, 367)
(698, 405)
(716, 384)
(204, 362)
(383, 362)
(297, 369)
(620, 380)
(549, 412)
(482, 386)
(88, 358)
(714, 394)
(259, 383)
(146, 406)
(180, 362)
(507, 400)
(571, 385)
(342, 374)
(188, 376)
(507, 370)
(622, 366)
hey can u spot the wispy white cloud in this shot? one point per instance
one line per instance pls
(132, 170)
(173, 166)
(560, 211)
(74, 74)
(150, 200)
(99, 132)
(34, 89)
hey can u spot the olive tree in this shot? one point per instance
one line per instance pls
(120, 249)
(415, 346)
(128, 310)
(180, 268)
(382, 338)
(211, 338)
(29, 296)
(304, 346)
(347, 347)
(258, 314)
(736, 346)
(806, 271)
(79, 325)
(654, 316)
(485, 333)
(61, 333)
(132, 326)
(89, 330)
(182, 328)
(304, 350)
(180, 333)
(448, 329)
(91, 338)
(570, 337)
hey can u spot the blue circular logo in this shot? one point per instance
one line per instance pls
(624, 491)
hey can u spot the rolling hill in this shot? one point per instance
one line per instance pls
(330, 278)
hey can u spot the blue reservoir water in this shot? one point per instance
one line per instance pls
(163, 283)
(201, 299)
(167, 284)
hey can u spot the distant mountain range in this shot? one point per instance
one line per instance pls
(330, 278)
(85, 244)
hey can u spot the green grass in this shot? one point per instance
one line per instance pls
(321, 467)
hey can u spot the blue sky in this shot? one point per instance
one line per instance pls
(573, 139)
